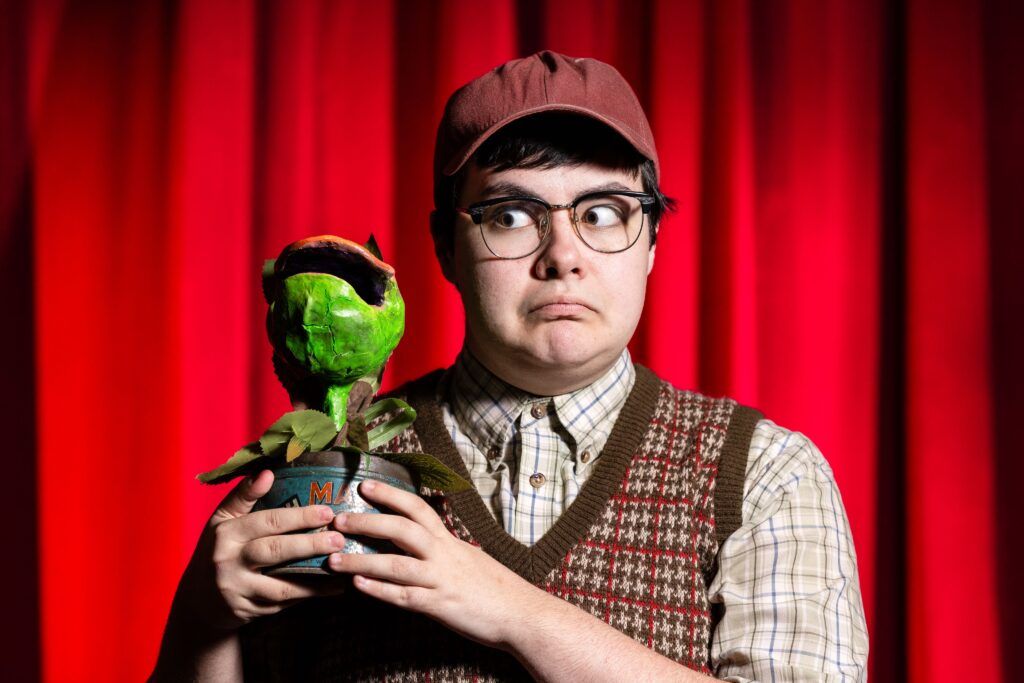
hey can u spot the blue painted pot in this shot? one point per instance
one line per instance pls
(332, 478)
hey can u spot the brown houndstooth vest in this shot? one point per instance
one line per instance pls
(635, 549)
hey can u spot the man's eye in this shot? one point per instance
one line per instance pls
(511, 218)
(601, 216)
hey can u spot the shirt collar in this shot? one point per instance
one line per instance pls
(486, 407)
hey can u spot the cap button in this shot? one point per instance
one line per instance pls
(537, 480)
(539, 410)
(493, 453)
(585, 456)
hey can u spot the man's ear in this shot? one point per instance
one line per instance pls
(650, 258)
(442, 231)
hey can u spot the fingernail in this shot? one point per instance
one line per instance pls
(326, 513)
(335, 559)
(339, 520)
(337, 541)
(369, 485)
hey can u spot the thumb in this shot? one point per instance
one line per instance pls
(241, 499)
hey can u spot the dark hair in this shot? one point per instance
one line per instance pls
(552, 140)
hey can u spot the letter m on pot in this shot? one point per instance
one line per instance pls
(320, 494)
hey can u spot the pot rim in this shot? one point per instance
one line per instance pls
(372, 462)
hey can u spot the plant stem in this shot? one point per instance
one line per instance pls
(336, 403)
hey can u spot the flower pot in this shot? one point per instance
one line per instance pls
(332, 478)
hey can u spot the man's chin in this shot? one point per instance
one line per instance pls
(556, 369)
(552, 361)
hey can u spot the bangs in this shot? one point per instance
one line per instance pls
(557, 139)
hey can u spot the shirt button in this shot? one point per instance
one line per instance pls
(493, 453)
(539, 410)
(585, 456)
(537, 480)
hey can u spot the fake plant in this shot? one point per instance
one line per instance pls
(335, 316)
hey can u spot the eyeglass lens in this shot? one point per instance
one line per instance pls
(606, 223)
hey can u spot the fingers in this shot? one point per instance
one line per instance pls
(400, 569)
(273, 550)
(409, 597)
(406, 534)
(404, 503)
(271, 592)
(278, 521)
(244, 495)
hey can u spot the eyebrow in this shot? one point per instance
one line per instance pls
(503, 188)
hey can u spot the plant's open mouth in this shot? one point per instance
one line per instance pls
(341, 258)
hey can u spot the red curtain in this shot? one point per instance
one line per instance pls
(848, 256)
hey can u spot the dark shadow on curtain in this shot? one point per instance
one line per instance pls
(889, 639)
(530, 28)
(1004, 109)
(19, 648)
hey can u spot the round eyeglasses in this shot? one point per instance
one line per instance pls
(515, 227)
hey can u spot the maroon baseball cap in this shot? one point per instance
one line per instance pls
(543, 82)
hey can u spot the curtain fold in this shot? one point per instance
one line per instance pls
(950, 471)
(846, 256)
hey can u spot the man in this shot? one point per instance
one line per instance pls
(620, 528)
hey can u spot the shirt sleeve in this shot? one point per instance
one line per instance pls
(787, 577)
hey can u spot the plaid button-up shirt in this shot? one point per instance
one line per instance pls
(787, 577)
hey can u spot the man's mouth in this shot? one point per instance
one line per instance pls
(562, 307)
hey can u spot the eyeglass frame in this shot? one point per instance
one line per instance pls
(476, 212)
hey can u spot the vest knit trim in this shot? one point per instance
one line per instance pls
(732, 472)
(534, 562)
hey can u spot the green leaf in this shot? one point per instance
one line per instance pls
(311, 426)
(296, 447)
(391, 427)
(277, 435)
(385, 405)
(244, 456)
(273, 442)
(433, 473)
(315, 428)
(373, 247)
(357, 432)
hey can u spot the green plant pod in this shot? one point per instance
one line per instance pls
(321, 324)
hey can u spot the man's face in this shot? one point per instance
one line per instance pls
(557, 319)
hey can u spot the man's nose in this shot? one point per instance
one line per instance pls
(560, 254)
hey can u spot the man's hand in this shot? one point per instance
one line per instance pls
(224, 585)
(443, 577)
(473, 594)
(223, 588)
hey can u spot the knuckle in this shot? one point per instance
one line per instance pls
(221, 533)
(286, 592)
(223, 553)
(406, 596)
(221, 556)
(274, 548)
(325, 543)
(399, 565)
(222, 581)
(273, 521)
